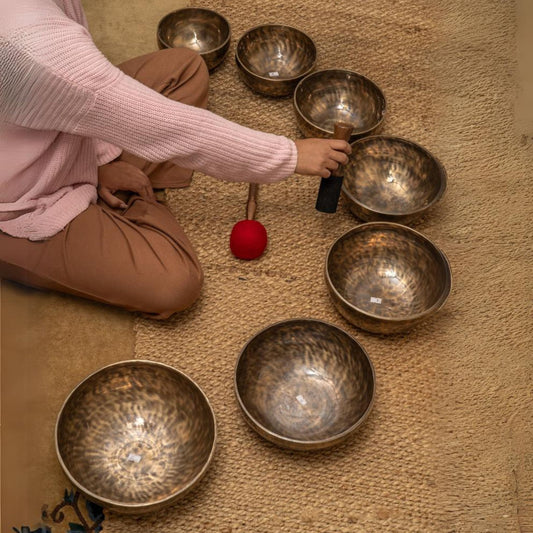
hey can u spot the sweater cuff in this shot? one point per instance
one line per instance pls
(105, 152)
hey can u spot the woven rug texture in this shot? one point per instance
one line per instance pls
(448, 444)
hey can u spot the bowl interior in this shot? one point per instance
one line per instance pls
(198, 29)
(329, 96)
(135, 433)
(388, 271)
(305, 380)
(276, 52)
(392, 176)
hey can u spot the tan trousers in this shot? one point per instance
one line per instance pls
(137, 258)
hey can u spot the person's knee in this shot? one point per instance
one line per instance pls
(189, 61)
(186, 56)
(188, 76)
(175, 291)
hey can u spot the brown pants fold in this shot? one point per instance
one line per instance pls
(178, 74)
(138, 258)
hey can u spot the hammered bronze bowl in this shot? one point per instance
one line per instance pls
(304, 384)
(135, 436)
(271, 59)
(387, 278)
(389, 178)
(202, 30)
(336, 95)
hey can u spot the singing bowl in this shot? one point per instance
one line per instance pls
(304, 384)
(202, 30)
(271, 59)
(135, 436)
(335, 95)
(389, 178)
(385, 278)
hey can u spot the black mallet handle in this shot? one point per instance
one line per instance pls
(330, 188)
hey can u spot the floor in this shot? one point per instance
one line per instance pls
(50, 342)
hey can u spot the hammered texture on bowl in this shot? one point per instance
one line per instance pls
(326, 97)
(202, 30)
(385, 277)
(135, 436)
(272, 58)
(304, 384)
(389, 178)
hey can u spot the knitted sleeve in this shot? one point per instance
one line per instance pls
(54, 78)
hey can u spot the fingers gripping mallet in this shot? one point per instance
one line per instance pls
(330, 188)
(248, 237)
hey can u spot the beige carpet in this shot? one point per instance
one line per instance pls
(49, 342)
(448, 445)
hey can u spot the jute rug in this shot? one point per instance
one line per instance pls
(448, 445)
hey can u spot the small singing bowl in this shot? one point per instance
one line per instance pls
(271, 59)
(202, 30)
(304, 384)
(393, 179)
(335, 95)
(385, 278)
(135, 436)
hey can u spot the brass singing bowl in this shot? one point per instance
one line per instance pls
(271, 59)
(304, 384)
(389, 178)
(202, 30)
(387, 278)
(335, 95)
(135, 436)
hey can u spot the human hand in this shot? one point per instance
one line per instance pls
(319, 157)
(122, 176)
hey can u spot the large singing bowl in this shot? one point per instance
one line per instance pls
(135, 436)
(389, 178)
(387, 278)
(304, 384)
(202, 30)
(272, 58)
(326, 97)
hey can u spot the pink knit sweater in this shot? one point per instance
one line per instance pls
(64, 110)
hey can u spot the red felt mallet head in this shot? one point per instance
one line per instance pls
(248, 238)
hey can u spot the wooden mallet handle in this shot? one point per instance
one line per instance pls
(251, 204)
(330, 188)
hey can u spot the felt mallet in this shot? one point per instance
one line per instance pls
(330, 188)
(248, 237)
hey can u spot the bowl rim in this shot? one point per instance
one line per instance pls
(205, 10)
(330, 133)
(401, 140)
(132, 507)
(278, 438)
(275, 80)
(434, 308)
